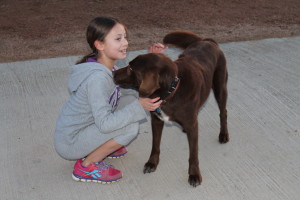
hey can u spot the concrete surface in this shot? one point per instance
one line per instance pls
(262, 160)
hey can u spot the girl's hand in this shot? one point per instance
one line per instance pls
(150, 104)
(157, 48)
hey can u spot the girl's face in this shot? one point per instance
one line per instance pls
(115, 44)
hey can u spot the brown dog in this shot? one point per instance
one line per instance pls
(184, 85)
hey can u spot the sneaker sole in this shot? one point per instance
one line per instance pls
(92, 180)
(115, 157)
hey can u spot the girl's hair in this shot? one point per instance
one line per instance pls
(97, 30)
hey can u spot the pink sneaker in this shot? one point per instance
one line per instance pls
(119, 153)
(101, 172)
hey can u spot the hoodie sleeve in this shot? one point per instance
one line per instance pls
(107, 121)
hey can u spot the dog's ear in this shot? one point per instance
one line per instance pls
(149, 85)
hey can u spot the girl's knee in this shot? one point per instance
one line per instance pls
(64, 153)
(129, 134)
(127, 97)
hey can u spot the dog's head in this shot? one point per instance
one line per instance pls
(150, 74)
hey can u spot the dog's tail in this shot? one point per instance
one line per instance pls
(183, 39)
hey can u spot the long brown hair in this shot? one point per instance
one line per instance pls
(97, 29)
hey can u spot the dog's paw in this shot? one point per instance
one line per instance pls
(149, 167)
(195, 180)
(223, 138)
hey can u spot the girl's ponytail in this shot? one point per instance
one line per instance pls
(84, 58)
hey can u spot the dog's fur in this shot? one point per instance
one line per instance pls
(200, 67)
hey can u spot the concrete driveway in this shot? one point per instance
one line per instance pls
(261, 162)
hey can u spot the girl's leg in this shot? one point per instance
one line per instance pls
(101, 152)
(128, 95)
(89, 141)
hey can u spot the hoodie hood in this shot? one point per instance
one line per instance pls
(80, 72)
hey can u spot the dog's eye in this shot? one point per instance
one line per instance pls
(129, 70)
(134, 76)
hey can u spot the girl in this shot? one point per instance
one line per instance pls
(97, 122)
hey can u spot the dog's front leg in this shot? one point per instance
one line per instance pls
(157, 127)
(195, 177)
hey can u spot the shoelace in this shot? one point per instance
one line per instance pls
(104, 165)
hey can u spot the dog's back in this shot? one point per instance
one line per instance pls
(196, 65)
(205, 50)
(183, 39)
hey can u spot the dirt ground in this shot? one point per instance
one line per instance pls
(34, 29)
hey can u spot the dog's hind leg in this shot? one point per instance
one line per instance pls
(157, 127)
(220, 92)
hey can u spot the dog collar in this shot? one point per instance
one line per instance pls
(170, 93)
(166, 97)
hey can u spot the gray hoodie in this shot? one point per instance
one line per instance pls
(91, 86)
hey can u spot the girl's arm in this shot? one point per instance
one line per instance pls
(106, 120)
(157, 48)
